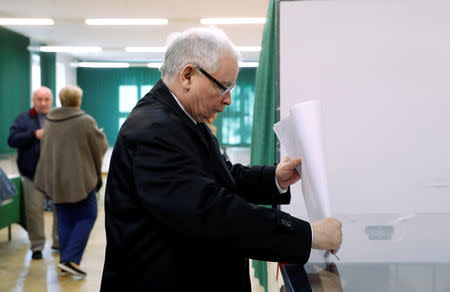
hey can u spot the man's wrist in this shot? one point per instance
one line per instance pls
(280, 190)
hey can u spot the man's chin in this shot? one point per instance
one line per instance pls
(213, 114)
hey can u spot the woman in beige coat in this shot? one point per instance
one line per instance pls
(69, 172)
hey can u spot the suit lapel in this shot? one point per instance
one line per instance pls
(215, 158)
(37, 124)
(164, 96)
(217, 161)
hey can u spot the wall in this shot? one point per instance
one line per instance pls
(14, 81)
(381, 71)
(101, 93)
(65, 73)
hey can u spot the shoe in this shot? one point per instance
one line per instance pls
(68, 267)
(62, 272)
(37, 255)
(55, 247)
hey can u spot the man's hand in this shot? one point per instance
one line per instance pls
(327, 234)
(39, 133)
(286, 174)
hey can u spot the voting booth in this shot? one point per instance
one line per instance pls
(381, 72)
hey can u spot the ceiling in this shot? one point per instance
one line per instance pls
(70, 29)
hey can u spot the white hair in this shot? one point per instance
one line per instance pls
(202, 46)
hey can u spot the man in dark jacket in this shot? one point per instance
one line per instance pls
(179, 217)
(25, 135)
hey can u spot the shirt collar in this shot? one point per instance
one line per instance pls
(182, 107)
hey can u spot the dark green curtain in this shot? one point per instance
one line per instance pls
(48, 72)
(234, 125)
(101, 88)
(101, 99)
(15, 81)
(263, 137)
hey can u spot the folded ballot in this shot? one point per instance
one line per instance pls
(300, 134)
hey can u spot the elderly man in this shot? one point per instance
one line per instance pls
(179, 217)
(25, 135)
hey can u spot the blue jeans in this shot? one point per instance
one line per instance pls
(75, 222)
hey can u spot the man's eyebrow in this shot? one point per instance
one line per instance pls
(228, 82)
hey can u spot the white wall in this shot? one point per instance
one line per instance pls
(381, 70)
(65, 74)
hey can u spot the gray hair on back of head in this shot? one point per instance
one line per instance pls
(70, 95)
(202, 46)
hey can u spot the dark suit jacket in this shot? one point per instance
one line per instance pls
(21, 136)
(181, 218)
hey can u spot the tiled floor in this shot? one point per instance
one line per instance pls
(18, 272)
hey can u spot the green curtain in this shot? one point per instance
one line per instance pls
(48, 72)
(263, 137)
(101, 98)
(234, 125)
(15, 81)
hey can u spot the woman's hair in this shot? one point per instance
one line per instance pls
(202, 46)
(70, 95)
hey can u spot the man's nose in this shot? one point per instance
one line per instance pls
(227, 98)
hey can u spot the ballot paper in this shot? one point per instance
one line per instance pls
(300, 134)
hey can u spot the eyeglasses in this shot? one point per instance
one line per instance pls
(225, 90)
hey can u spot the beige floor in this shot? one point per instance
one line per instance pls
(18, 272)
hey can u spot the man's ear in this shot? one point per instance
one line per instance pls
(186, 76)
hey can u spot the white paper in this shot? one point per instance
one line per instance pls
(300, 134)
